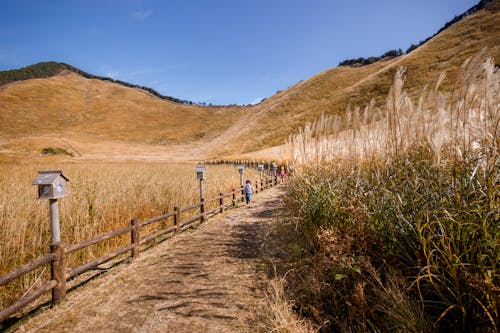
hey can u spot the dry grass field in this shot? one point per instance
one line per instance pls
(103, 196)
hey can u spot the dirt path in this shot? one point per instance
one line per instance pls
(211, 280)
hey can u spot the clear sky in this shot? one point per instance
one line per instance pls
(213, 51)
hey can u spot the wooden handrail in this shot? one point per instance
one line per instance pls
(156, 219)
(157, 234)
(91, 264)
(212, 200)
(191, 220)
(31, 266)
(97, 239)
(13, 308)
(216, 209)
(231, 193)
(196, 205)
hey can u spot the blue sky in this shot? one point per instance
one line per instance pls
(213, 51)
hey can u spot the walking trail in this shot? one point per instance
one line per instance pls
(210, 280)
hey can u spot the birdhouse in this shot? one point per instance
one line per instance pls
(261, 167)
(51, 184)
(241, 168)
(200, 172)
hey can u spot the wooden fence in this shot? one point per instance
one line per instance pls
(60, 274)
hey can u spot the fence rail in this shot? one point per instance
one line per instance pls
(60, 274)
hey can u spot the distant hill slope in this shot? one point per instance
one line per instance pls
(92, 111)
(363, 61)
(52, 68)
(70, 103)
(331, 91)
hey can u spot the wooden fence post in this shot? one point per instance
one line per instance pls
(202, 210)
(221, 202)
(177, 220)
(261, 184)
(234, 197)
(135, 236)
(242, 193)
(58, 273)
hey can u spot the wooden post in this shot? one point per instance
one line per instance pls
(242, 194)
(177, 220)
(58, 273)
(234, 198)
(202, 210)
(261, 183)
(256, 187)
(135, 237)
(221, 202)
(201, 189)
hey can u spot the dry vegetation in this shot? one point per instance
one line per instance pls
(102, 197)
(401, 209)
(69, 104)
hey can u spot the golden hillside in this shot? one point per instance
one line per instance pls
(103, 119)
(71, 108)
(331, 91)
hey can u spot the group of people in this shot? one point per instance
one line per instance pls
(249, 190)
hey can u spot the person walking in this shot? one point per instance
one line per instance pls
(248, 191)
(282, 174)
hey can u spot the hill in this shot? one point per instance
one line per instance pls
(101, 118)
(52, 68)
(107, 117)
(331, 91)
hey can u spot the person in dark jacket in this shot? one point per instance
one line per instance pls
(248, 191)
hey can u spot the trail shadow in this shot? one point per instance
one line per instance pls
(249, 237)
(206, 303)
(216, 295)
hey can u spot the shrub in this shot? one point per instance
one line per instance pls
(56, 151)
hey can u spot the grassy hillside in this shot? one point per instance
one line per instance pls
(70, 104)
(331, 91)
(52, 68)
(37, 112)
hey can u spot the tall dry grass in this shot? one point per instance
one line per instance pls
(102, 197)
(459, 120)
(401, 205)
(279, 316)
